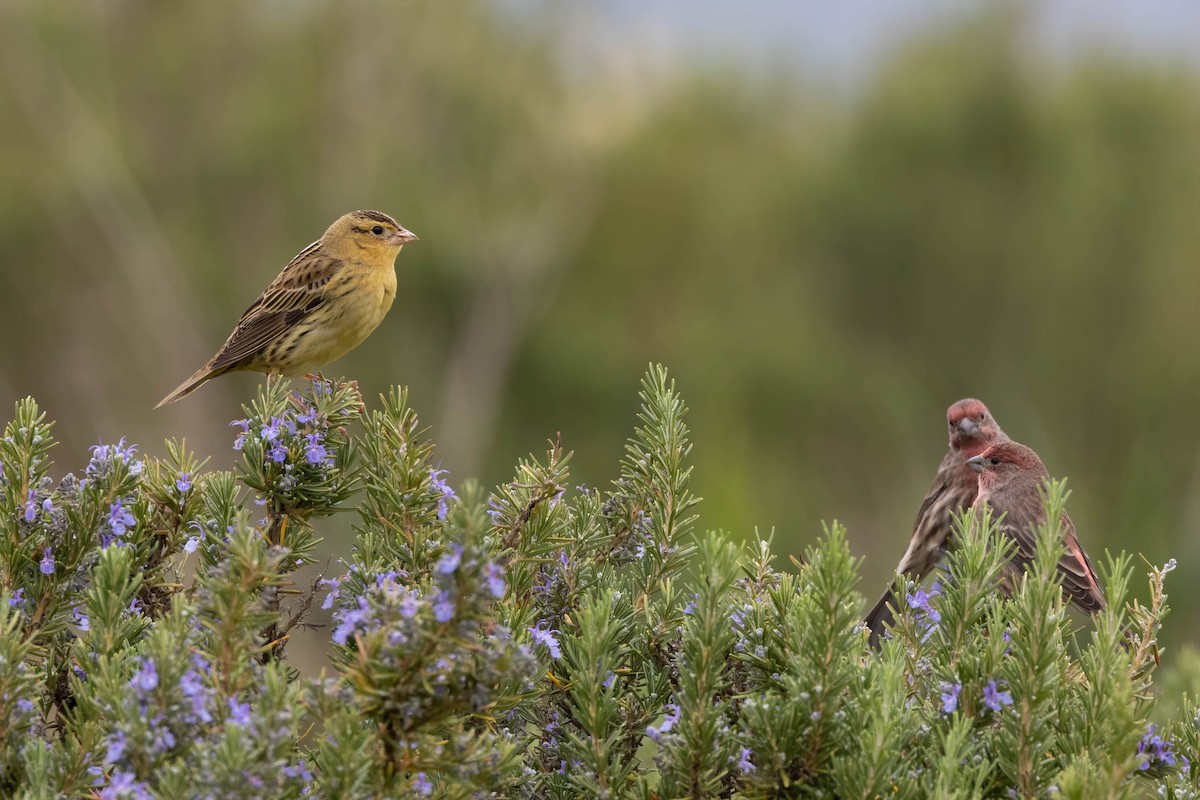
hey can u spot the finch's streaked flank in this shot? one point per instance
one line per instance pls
(1010, 476)
(972, 430)
(320, 307)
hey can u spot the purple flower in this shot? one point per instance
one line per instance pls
(1154, 751)
(745, 765)
(609, 679)
(278, 453)
(18, 597)
(309, 417)
(120, 519)
(184, 483)
(547, 638)
(31, 508)
(239, 713)
(449, 562)
(192, 685)
(349, 620)
(123, 785)
(494, 574)
(443, 609)
(655, 732)
(315, 452)
(334, 585)
(47, 564)
(244, 424)
(950, 697)
(116, 747)
(995, 699)
(191, 544)
(135, 607)
(146, 677)
(409, 604)
(104, 456)
(690, 608)
(81, 618)
(438, 484)
(421, 785)
(270, 431)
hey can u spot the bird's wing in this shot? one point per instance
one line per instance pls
(292, 296)
(931, 533)
(1078, 576)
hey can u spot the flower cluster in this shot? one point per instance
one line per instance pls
(927, 617)
(1157, 753)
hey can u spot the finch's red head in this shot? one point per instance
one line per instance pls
(1007, 462)
(972, 428)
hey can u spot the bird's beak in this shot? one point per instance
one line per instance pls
(967, 426)
(975, 463)
(403, 236)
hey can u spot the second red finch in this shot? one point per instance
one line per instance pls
(972, 430)
(1010, 477)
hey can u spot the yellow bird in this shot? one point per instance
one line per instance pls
(320, 307)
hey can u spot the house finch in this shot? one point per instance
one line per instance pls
(972, 430)
(320, 307)
(1010, 476)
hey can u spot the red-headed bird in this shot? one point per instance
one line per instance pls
(972, 431)
(1010, 476)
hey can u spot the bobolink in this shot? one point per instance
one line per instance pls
(320, 307)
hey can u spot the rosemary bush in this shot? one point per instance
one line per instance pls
(538, 641)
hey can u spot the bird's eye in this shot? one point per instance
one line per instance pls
(994, 461)
(981, 417)
(377, 230)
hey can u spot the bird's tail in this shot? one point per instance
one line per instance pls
(881, 615)
(202, 376)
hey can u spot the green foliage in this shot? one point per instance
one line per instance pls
(538, 641)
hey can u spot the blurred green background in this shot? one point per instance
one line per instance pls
(824, 264)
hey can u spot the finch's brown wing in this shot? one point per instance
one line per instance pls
(1078, 576)
(931, 532)
(296, 293)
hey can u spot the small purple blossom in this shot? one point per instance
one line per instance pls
(116, 747)
(146, 677)
(950, 697)
(609, 679)
(421, 785)
(278, 453)
(31, 507)
(745, 765)
(547, 638)
(438, 484)
(995, 699)
(270, 431)
(18, 598)
(47, 563)
(124, 785)
(120, 518)
(494, 575)
(104, 456)
(334, 585)
(309, 417)
(655, 732)
(348, 620)
(81, 618)
(184, 484)
(315, 451)
(239, 713)
(449, 562)
(443, 608)
(244, 424)
(1154, 751)
(191, 544)
(409, 604)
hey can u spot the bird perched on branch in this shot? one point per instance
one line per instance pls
(320, 307)
(1010, 479)
(972, 430)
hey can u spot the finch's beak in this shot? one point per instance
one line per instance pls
(403, 237)
(975, 463)
(967, 427)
